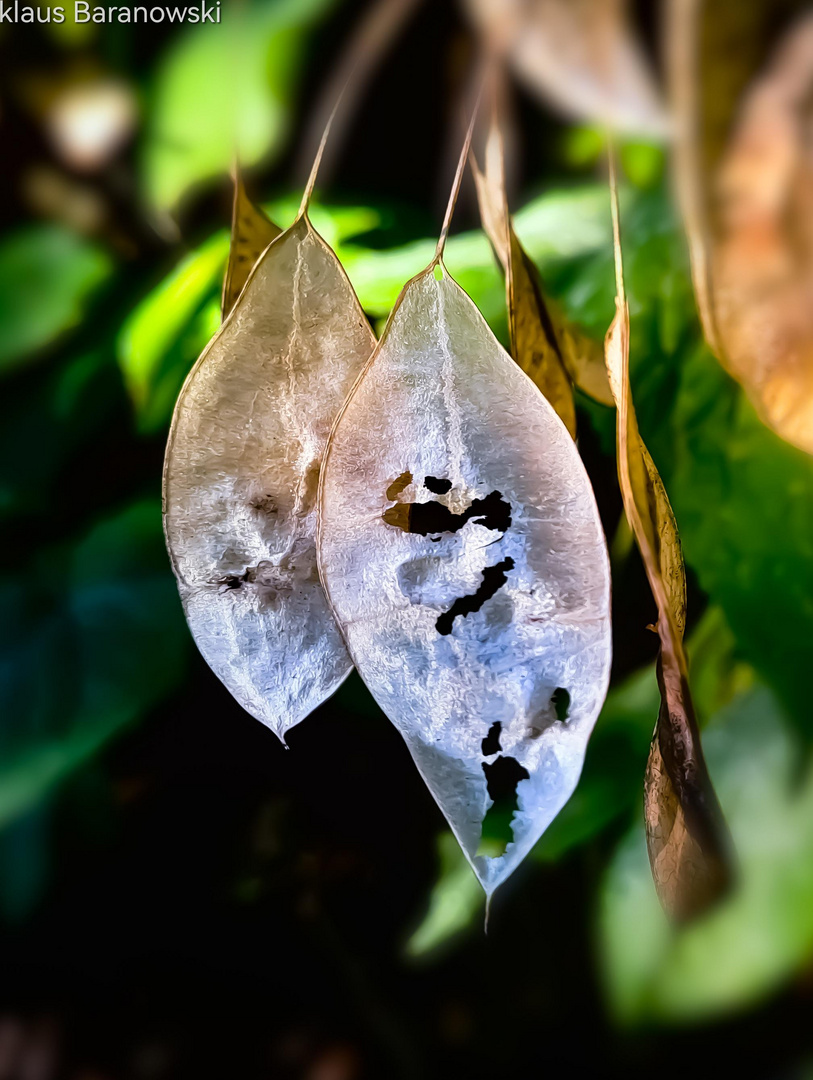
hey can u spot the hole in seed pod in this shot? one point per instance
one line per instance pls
(494, 577)
(502, 779)
(491, 743)
(492, 512)
(436, 485)
(560, 699)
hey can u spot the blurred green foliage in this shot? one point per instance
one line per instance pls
(46, 275)
(239, 76)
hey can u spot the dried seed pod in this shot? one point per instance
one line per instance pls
(241, 476)
(461, 551)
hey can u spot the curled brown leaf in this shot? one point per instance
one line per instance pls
(686, 836)
(251, 233)
(745, 176)
(551, 351)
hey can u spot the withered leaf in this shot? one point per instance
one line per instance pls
(581, 56)
(686, 835)
(463, 556)
(241, 476)
(548, 348)
(251, 233)
(745, 175)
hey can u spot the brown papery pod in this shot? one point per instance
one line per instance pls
(687, 838)
(251, 233)
(241, 475)
(553, 352)
(745, 180)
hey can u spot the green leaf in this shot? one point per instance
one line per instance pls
(221, 89)
(164, 334)
(47, 274)
(90, 638)
(559, 224)
(454, 903)
(754, 941)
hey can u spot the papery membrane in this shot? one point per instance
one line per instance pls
(462, 553)
(241, 478)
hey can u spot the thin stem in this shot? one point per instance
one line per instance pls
(458, 178)
(311, 184)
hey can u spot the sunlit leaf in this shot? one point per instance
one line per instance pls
(242, 471)
(763, 931)
(159, 323)
(463, 557)
(240, 77)
(47, 274)
(560, 224)
(686, 836)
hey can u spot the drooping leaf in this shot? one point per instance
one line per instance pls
(251, 233)
(463, 557)
(581, 56)
(686, 836)
(543, 343)
(762, 932)
(745, 173)
(241, 475)
(47, 274)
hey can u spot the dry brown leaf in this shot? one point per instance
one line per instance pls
(251, 233)
(745, 176)
(686, 835)
(547, 348)
(581, 56)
